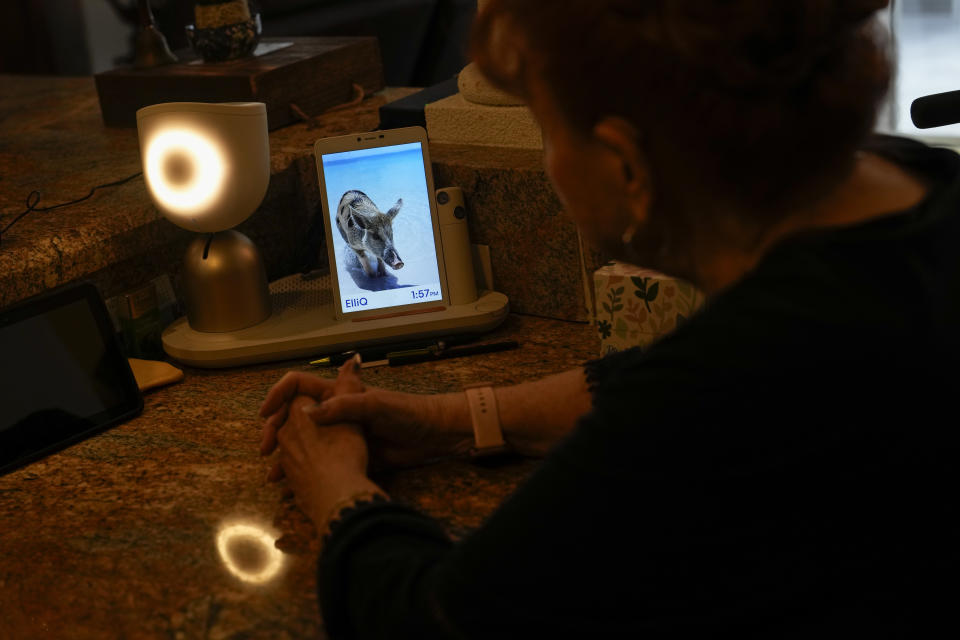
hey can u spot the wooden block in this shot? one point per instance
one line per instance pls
(313, 73)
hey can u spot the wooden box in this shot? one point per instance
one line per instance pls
(313, 73)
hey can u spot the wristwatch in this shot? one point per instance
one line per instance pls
(487, 434)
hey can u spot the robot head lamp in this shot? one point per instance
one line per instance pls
(206, 166)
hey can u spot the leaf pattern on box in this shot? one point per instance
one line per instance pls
(635, 313)
(605, 329)
(660, 324)
(659, 305)
(614, 302)
(689, 296)
(645, 293)
(621, 328)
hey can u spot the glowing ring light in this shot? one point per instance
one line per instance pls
(274, 557)
(207, 163)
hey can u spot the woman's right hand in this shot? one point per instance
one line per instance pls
(402, 429)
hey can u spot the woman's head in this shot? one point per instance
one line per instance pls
(749, 106)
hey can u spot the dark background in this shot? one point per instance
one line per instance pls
(422, 41)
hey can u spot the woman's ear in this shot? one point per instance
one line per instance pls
(622, 139)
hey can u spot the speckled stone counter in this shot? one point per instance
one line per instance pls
(164, 527)
(52, 140)
(539, 259)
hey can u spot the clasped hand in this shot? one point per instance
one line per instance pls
(323, 429)
(323, 462)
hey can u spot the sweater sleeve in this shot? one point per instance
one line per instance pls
(772, 468)
(376, 569)
(608, 537)
(387, 571)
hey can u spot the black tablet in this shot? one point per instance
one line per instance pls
(63, 377)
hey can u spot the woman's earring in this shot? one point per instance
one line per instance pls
(627, 236)
(642, 209)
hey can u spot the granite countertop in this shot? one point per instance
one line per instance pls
(52, 140)
(164, 527)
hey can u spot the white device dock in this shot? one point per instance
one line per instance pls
(303, 324)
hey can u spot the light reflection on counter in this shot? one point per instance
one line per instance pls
(249, 552)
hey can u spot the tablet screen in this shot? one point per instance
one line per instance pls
(382, 230)
(62, 375)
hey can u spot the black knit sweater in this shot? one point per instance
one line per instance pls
(785, 464)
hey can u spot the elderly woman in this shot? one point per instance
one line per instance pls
(780, 465)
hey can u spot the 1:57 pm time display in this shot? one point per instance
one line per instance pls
(424, 294)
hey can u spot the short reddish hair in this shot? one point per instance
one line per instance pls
(760, 102)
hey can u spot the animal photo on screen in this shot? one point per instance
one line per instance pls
(384, 250)
(369, 232)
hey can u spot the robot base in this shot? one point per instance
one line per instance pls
(302, 325)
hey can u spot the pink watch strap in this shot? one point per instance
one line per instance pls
(487, 435)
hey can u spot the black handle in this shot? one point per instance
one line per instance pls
(454, 353)
(937, 110)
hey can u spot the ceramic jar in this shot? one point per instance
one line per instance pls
(224, 30)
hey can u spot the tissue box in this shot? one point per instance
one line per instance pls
(635, 306)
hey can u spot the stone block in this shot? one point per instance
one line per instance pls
(453, 120)
(537, 255)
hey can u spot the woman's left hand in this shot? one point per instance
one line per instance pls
(323, 465)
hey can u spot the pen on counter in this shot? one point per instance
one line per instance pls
(380, 352)
(413, 356)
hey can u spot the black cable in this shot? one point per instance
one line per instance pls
(34, 198)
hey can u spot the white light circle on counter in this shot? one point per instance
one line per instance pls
(205, 168)
(260, 569)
